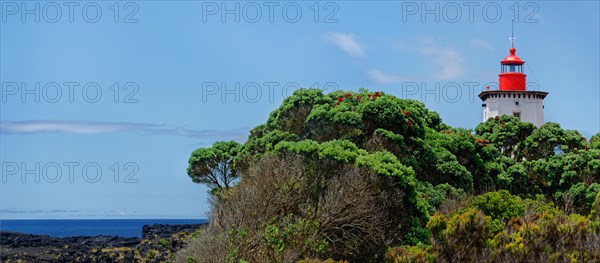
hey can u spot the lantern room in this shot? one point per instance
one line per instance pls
(512, 98)
(511, 72)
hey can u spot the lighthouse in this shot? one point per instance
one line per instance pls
(512, 98)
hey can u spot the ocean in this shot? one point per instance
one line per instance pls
(88, 227)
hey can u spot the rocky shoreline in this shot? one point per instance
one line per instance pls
(159, 243)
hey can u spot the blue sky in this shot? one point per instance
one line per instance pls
(114, 102)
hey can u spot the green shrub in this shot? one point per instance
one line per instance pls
(461, 237)
(163, 242)
(321, 261)
(542, 233)
(418, 234)
(499, 205)
(150, 254)
(412, 254)
(595, 211)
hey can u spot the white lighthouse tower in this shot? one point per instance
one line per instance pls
(512, 98)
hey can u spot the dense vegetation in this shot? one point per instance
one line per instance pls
(367, 177)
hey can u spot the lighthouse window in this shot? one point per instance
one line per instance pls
(511, 68)
(517, 114)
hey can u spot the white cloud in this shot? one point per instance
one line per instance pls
(446, 63)
(446, 60)
(347, 43)
(481, 44)
(96, 127)
(384, 78)
(450, 62)
(71, 127)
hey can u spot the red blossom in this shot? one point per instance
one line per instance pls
(409, 123)
(347, 95)
(482, 142)
(375, 95)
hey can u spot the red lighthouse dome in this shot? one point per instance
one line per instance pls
(511, 76)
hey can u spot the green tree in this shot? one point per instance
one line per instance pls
(507, 133)
(348, 174)
(551, 139)
(291, 115)
(518, 181)
(215, 166)
(595, 141)
(570, 168)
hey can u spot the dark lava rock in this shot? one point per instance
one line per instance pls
(166, 231)
(159, 243)
(43, 248)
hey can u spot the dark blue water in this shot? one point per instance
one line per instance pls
(88, 227)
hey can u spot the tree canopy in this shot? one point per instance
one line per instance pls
(322, 159)
(214, 166)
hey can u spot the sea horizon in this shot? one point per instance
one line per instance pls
(122, 227)
(43, 219)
